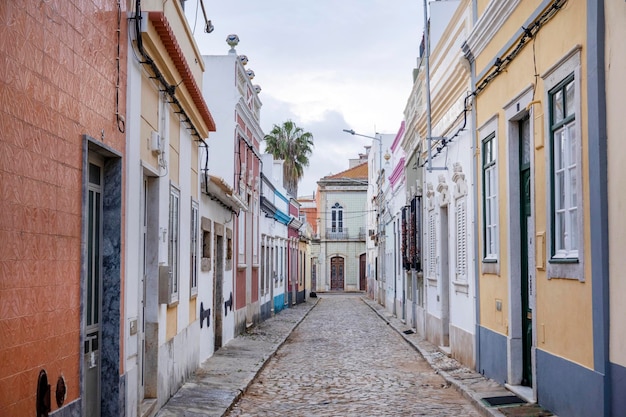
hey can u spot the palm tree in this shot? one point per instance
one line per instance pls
(293, 145)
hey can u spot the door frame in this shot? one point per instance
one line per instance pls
(515, 110)
(343, 267)
(111, 399)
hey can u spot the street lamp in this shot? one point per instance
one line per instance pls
(380, 256)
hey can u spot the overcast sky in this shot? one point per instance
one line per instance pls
(328, 65)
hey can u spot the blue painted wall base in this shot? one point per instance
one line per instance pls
(568, 389)
(492, 355)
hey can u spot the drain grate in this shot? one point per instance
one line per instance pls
(503, 400)
(408, 331)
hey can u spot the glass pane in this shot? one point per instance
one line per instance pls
(559, 192)
(558, 149)
(560, 231)
(90, 251)
(569, 99)
(557, 106)
(572, 188)
(573, 226)
(96, 277)
(571, 136)
(94, 174)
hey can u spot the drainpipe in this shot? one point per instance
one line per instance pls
(598, 193)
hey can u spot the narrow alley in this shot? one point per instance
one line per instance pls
(343, 360)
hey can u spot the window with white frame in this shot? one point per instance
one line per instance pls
(255, 231)
(564, 171)
(490, 200)
(432, 245)
(263, 266)
(461, 238)
(194, 248)
(336, 222)
(173, 246)
(564, 179)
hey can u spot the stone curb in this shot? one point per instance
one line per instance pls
(186, 402)
(271, 354)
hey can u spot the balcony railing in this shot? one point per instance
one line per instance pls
(337, 233)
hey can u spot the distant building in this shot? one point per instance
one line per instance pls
(235, 159)
(342, 207)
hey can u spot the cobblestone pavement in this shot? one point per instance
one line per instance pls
(343, 360)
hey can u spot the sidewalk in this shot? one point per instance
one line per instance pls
(224, 377)
(470, 383)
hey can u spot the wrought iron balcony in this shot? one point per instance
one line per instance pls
(337, 233)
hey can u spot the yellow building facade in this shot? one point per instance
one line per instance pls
(542, 287)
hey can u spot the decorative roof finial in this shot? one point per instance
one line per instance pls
(232, 40)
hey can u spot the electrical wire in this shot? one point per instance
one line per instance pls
(501, 63)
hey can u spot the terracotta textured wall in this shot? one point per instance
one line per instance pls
(58, 73)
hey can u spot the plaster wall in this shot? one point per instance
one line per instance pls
(555, 321)
(219, 91)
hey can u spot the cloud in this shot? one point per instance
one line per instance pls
(327, 65)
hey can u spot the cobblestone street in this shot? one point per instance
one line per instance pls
(343, 360)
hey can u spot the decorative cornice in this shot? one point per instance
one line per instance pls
(399, 136)
(494, 16)
(163, 28)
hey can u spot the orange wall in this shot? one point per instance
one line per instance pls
(58, 66)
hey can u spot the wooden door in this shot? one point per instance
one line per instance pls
(336, 274)
(362, 277)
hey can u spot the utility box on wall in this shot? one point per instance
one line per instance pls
(165, 284)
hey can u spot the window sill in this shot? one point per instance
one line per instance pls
(564, 261)
(490, 266)
(432, 282)
(461, 287)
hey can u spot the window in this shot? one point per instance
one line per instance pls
(255, 232)
(336, 225)
(241, 235)
(461, 239)
(263, 266)
(206, 244)
(565, 222)
(173, 242)
(195, 231)
(432, 245)
(490, 200)
(564, 171)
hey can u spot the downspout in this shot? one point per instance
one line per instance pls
(429, 132)
(598, 196)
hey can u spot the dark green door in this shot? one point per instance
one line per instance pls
(525, 218)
